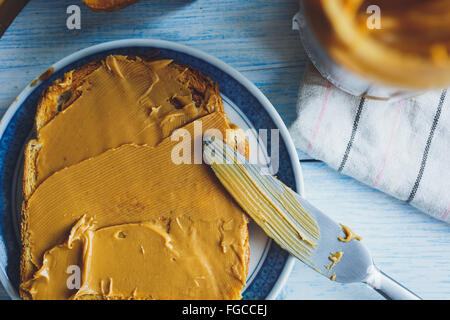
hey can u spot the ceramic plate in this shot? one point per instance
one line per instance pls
(244, 104)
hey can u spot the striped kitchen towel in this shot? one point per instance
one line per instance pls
(401, 148)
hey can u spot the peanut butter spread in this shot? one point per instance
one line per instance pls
(111, 201)
(161, 230)
(409, 47)
(162, 259)
(122, 101)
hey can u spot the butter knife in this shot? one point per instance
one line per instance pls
(296, 225)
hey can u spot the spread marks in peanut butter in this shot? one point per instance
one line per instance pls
(349, 235)
(52, 280)
(281, 217)
(172, 224)
(174, 264)
(122, 101)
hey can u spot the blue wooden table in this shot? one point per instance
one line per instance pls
(255, 37)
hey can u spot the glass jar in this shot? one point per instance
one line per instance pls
(381, 49)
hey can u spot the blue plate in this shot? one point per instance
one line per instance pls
(245, 105)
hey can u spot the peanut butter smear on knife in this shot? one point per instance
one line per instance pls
(152, 220)
(269, 202)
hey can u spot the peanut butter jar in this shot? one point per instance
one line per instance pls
(381, 49)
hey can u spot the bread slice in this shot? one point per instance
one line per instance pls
(63, 93)
(108, 5)
(95, 187)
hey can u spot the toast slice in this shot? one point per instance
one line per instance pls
(133, 184)
(108, 5)
(55, 124)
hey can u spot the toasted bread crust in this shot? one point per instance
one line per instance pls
(60, 95)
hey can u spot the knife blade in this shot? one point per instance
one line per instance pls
(9, 10)
(296, 225)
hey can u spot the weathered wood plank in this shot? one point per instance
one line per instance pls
(248, 35)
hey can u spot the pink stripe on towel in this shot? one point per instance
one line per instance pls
(388, 147)
(319, 120)
(446, 213)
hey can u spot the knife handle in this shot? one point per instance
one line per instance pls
(388, 287)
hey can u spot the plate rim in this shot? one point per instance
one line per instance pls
(250, 86)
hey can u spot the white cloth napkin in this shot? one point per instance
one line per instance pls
(401, 148)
